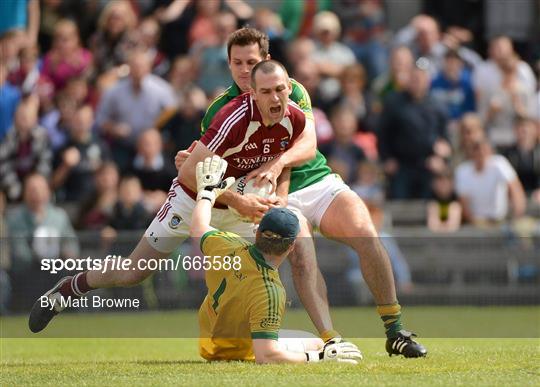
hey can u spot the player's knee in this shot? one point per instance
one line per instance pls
(364, 228)
(302, 263)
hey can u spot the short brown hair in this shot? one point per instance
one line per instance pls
(247, 36)
(269, 243)
(266, 66)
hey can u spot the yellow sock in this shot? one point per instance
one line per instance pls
(391, 316)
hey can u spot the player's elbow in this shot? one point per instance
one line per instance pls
(186, 174)
(311, 152)
(268, 357)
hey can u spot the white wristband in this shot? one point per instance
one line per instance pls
(313, 356)
(204, 194)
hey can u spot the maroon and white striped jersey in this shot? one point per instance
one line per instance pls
(238, 135)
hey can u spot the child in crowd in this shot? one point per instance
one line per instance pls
(444, 211)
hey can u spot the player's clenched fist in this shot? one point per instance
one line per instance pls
(209, 174)
(336, 350)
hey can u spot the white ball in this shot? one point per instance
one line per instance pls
(242, 188)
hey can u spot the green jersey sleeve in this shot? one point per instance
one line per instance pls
(300, 96)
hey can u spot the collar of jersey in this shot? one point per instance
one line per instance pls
(258, 257)
(235, 90)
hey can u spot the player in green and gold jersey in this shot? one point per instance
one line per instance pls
(241, 315)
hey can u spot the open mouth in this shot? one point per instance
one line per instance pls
(275, 109)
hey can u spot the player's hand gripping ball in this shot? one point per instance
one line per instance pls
(242, 187)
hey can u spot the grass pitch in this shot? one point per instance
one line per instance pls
(36, 360)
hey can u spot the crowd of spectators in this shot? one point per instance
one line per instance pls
(96, 97)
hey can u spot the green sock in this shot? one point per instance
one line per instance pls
(391, 316)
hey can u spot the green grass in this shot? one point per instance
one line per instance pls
(36, 360)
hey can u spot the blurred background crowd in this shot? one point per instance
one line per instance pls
(413, 100)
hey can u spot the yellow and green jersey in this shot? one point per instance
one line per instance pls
(245, 301)
(301, 177)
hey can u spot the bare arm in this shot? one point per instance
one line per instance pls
(33, 22)
(200, 219)
(70, 158)
(268, 351)
(173, 11)
(240, 8)
(454, 217)
(282, 190)
(466, 207)
(284, 181)
(518, 199)
(433, 219)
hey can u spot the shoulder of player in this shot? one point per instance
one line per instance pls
(240, 104)
(295, 111)
(232, 112)
(218, 236)
(297, 87)
(218, 102)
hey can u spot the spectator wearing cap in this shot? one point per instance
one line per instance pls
(412, 139)
(330, 55)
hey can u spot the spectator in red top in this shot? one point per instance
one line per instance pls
(67, 58)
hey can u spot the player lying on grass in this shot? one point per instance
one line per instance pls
(320, 199)
(241, 315)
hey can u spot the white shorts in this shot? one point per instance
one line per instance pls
(170, 226)
(313, 201)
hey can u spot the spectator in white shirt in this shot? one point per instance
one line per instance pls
(487, 186)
